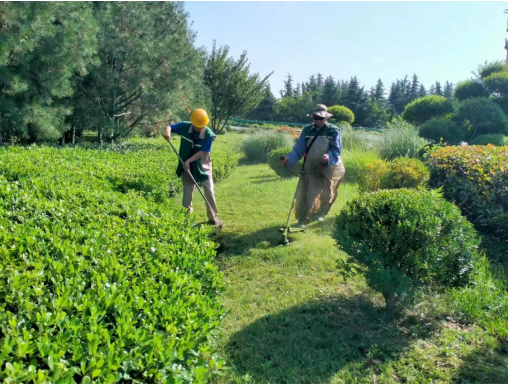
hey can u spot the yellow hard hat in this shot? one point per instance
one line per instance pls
(199, 118)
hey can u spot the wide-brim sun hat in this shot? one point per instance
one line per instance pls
(320, 110)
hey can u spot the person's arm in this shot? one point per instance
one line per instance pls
(205, 149)
(336, 148)
(297, 152)
(176, 128)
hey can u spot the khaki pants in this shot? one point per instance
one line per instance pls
(206, 187)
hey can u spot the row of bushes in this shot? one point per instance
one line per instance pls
(100, 283)
(144, 165)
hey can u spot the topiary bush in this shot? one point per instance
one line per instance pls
(402, 240)
(281, 170)
(481, 116)
(476, 179)
(470, 89)
(425, 108)
(257, 147)
(399, 173)
(341, 113)
(493, 138)
(100, 285)
(440, 128)
(488, 68)
(497, 82)
(400, 139)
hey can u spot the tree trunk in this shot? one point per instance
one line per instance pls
(73, 135)
(391, 303)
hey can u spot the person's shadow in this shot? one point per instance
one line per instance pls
(312, 342)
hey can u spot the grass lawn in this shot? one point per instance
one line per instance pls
(293, 319)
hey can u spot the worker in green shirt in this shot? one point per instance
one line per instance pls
(195, 149)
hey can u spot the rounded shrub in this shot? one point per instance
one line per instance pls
(402, 240)
(341, 113)
(481, 116)
(425, 108)
(470, 89)
(497, 82)
(487, 69)
(257, 147)
(493, 138)
(440, 128)
(281, 170)
(402, 172)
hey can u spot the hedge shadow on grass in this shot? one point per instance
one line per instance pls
(315, 341)
(484, 366)
(238, 244)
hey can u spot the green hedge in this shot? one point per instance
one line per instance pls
(100, 283)
(440, 128)
(402, 240)
(399, 173)
(281, 170)
(476, 179)
(493, 138)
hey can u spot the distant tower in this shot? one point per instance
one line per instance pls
(506, 41)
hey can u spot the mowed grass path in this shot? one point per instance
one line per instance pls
(293, 319)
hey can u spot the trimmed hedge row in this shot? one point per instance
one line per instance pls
(402, 172)
(476, 179)
(146, 166)
(97, 285)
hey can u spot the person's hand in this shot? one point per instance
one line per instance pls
(325, 158)
(167, 134)
(284, 161)
(187, 165)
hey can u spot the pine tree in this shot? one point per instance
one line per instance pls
(438, 90)
(448, 90)
(330, 92)
(304, 88)
(42, 45)
(137, 82)
(264, 110)
(298, 90)
(415, 87)
(422, 92)
(288, 87)
(379, 92)
(319, 80)
(432, 90)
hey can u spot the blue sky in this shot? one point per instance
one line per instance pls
(438, 41)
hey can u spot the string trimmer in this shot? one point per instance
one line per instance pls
(217, 221)
(287, 229)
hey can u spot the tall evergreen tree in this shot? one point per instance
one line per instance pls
(137, 82)
(379, 92)
(42, 45)
(422, 92)
(304, 88)
(330, 93)
(288, 90)
(312, 85)
(298, 90)
(264, 110)
(320, 80)
(438, 90)
(448, 90)
(432, 90)
(415, 87)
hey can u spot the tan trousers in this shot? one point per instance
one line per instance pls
(206, 187)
